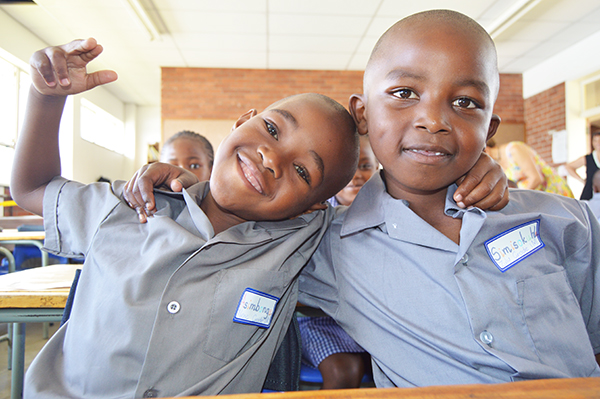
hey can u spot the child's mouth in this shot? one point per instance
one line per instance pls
(250, 173)
(427, 155)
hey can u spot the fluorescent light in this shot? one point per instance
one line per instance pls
(137, 10)
(510, 16)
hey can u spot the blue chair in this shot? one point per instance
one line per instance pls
(29, 255)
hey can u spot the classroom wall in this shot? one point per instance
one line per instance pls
(545, 112)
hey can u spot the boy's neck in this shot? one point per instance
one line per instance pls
(430, 207)
(220, 219)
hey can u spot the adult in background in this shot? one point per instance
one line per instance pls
(524, 166)
(591, 163)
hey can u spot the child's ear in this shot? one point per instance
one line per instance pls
(357, 110)
(494, 123)
(244, 118)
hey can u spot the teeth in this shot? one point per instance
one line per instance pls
(435, 153)
(250, 177)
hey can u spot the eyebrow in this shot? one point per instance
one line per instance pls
(400, 73)
(287, 115)
(480, 85)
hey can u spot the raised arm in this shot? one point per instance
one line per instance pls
(572, 167)
(55, 72)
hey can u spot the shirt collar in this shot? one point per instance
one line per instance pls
(373, 201)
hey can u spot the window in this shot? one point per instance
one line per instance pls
(14, 84)
(101, 128)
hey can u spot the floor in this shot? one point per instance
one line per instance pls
(33, 343)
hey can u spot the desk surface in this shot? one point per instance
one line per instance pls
(569, 388)
(40, 287)
(14, 235)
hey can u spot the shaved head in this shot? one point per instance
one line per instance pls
(451, 22)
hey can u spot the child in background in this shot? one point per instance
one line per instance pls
(190, 151)
(197, 300)
(437, 294)
(325, 345)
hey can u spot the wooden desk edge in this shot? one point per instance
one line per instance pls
(567, 388)
(51, 299)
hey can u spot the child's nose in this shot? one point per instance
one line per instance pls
(270, 160)
(432, 117)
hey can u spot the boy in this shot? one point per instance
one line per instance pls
(441, 295)
(435, 293)
(197, 300)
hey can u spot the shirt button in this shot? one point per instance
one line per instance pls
(464, 259)
(173, 307)
(151, 393)
(486, 337)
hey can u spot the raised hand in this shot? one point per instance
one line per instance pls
(61, 70)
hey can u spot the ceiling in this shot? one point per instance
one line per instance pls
(283, 34)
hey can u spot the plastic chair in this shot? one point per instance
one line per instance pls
(27, 256)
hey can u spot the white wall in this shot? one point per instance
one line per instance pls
(573, 63)
(81, 160)
(148, 132)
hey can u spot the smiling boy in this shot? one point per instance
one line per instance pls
(438, 294)
(197, 300)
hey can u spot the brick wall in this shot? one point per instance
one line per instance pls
(207, 93)
(509, 105)
(544, 112)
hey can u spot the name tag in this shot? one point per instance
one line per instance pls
(514, 245)
(256, 308)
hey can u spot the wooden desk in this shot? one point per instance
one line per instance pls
(25, 297)
(568, 388)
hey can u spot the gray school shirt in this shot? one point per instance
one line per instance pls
(518, 299)
(154, 307)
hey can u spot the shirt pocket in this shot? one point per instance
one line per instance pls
(226, 339)
(553, 318)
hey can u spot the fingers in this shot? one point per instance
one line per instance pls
(61, 70)
(134, 198)
(183, 180)
(484, 186)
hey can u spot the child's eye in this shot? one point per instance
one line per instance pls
(464, 102)
(405, 93)
(272, 130)
(365, 166)
(195, 166)
(303, 173)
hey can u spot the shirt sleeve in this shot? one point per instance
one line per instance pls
(583, 270)
(73, 212)
(318, 281)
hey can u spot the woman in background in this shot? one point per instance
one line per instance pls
(591, 163)
(524, 166)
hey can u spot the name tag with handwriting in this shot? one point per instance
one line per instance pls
(512, 246)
